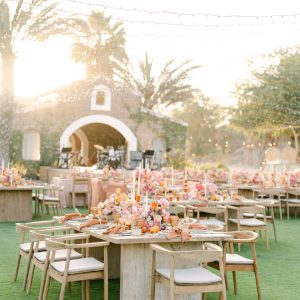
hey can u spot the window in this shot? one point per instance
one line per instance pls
(31, 145)
(101, 98)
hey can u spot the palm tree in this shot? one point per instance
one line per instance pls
(171, 86)
(100, 45)
(31, 19)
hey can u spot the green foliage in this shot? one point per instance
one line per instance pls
(271, 98)
(100, 45)
(171, 86)
(49, 145)
(202, 117)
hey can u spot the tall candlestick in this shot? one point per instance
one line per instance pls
(133, 185)
(2, 167)
(139, 181)
(185, 173)
(205, 187)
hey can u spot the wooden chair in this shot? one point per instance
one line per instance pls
(270, 218)
(292, 202)
(189, 280)
(82, 269)
(265, 195)
(24, 246)
(237, 263)
(240, 223)
(37, 259)
(52, 197)
(79, 187)
(218, 212)
(177, 210)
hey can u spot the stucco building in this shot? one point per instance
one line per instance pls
(87, 113)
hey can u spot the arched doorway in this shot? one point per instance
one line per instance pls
(92, 127)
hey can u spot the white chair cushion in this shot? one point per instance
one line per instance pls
(26, 246)
(295, 201)
(49, 198)
(260, 216)
(248, 222)
(80, 265)
(59, 255)
(191, 276)
(212, 222)
(236, 259)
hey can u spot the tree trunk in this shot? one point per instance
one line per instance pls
(296, 136)
(7, 105)
(7, 72)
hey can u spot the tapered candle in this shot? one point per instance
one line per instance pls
(185, 173)
(133, 185)
(205, 190)
(139, 181)
(2, 167)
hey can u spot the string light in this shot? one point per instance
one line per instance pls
(181, 24)
(189, 14)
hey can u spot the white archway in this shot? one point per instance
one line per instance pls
(102, 119)
(84, 145)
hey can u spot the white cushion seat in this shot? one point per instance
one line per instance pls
(236, 259)
(259, 216)
(197, 275)
(81, 265)
(212, 221)
(49, 198)
(248, 222)
(59, 255)
(26, 246)
(294, 201)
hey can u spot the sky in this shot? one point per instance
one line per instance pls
(222, 46)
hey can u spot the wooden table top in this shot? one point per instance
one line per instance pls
(149, 238)
(146, 238)
(21, 188)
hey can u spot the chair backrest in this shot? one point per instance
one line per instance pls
(243, 236)
(112, 186)
(213, 210)
(255, 209)
(79, 184)
(24, 228)
(209, 253)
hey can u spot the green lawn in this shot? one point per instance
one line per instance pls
(279, 269)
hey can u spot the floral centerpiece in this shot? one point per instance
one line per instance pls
(118, 205)
(11, 177)
(154, 215)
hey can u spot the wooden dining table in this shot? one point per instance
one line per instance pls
(16, 202)
(130, 256)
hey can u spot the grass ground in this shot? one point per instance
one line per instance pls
(279, 270)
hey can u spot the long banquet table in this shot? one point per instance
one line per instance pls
(133, 254)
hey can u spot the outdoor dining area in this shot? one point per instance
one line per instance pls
(169, 234)
(149, 150)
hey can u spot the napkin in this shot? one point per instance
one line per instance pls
(89, 223)
(71, 216)
(177, 232)
(115, 229)
(198, 226)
